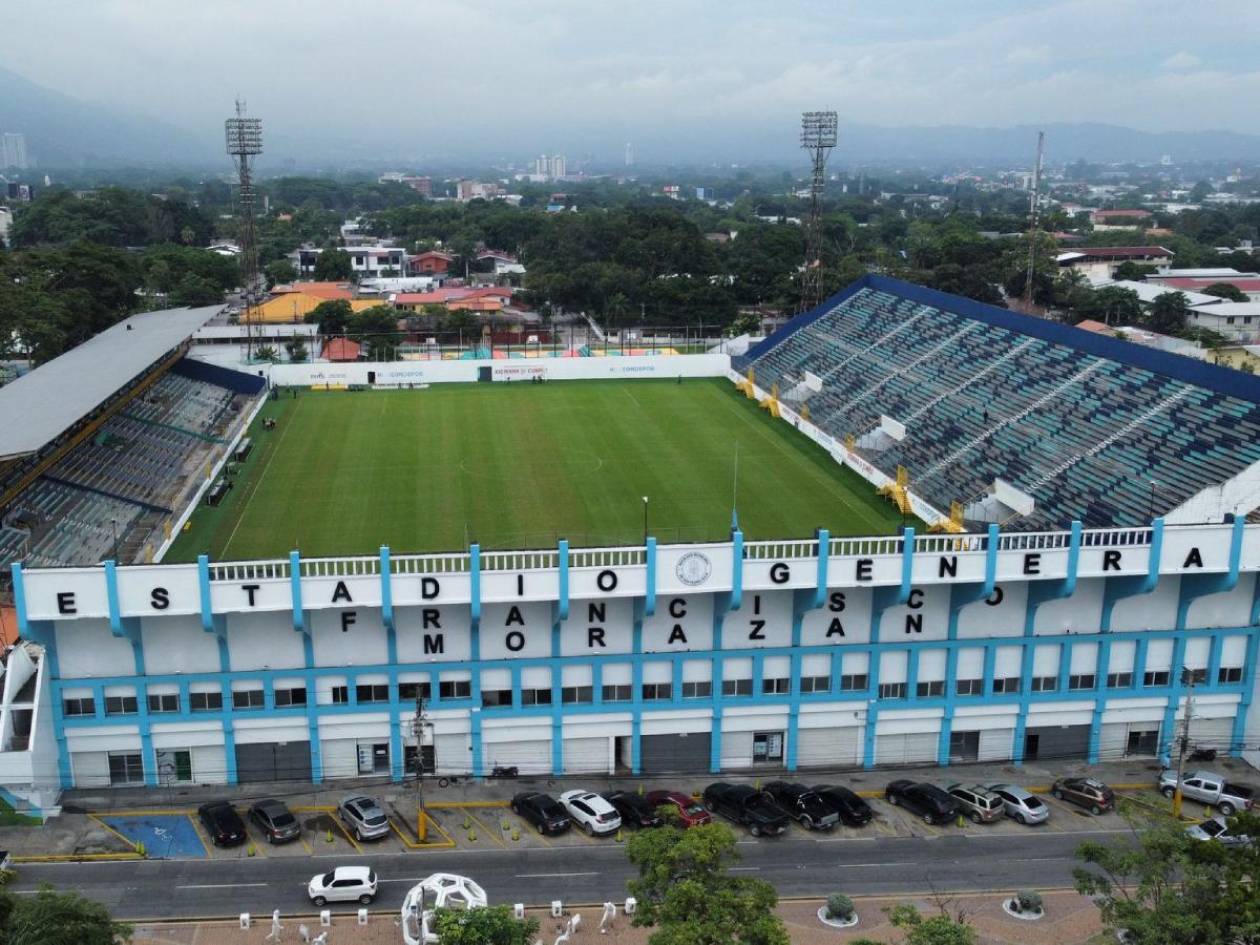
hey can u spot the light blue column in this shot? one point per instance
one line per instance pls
(1248, 694)
(907, 565)
(649, 594)
(295, 590)
(951, 694)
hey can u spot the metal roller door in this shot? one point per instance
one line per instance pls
(1211, 733)
(586, 755)
(913, 748)
(452, 754)
(1111, 740)
(819, 747)
(996, 744)
(529, 757)
(273, 761)
(1048, 742)
(667, 754)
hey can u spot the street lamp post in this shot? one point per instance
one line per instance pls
(645, 519)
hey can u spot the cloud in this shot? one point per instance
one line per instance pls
(1181, 61)
(1028, 55)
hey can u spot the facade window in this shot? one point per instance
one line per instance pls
(657, 691)
(490, 698)
(854, 682)
(125, 768)
(121, 705)
(455, 689)
(1229, 674)
(1158, 677)
(1119, 680)
(930, 689)
(780, 686)
(535, 697)
(1045, 684)
(411, 691)
(969, 687)
(617, 693)
(1195, 677)
(737, 687)
(167, 702)
(577, 695)
(892, 690)
(371, 692)
(340, 695)
(84, 705)
(205, 701)
(1082, 681)
(295, 695)
(815, 684)
(697, 690)
(247, 699)
(767, 748)
(1006, 684)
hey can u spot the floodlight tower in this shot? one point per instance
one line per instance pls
(244, 143)
(1034, 226)
(818, 137)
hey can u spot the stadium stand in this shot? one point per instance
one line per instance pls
(1092, 428)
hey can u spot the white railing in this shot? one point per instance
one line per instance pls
(865, 547)
(250, 571)
(608, 558)
(1115, 537)
(780, 550)
(950, 544)
(429, 564)
(365, 566)
(520, 560)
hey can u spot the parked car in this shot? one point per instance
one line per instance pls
(1216, 828)
(635, 809)
(980, 804)
(691, 813)
(364, 817)
(541, 810)
(853, 811)
(926, 800)
(804, 804)
(222, 823)
(1211, 788)
(343, 884)
(1089, 793)
(591, 812)
(1020, 804)
(275, 821)
(744, 804)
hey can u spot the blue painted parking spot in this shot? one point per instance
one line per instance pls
(165, 836)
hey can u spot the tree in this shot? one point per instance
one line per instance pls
(1113, 305)
(54, 918)
(296, 349)
(1130, 271)
(1169, 889)
(687, 895)
(942, 929)
(1168, 313)
(746, 324)
(493, 925)
(193, 290)
(279, 271)
(331, 316)
(375, 327)
(267, 353)
(333, 265)
(1226, 290)
(1200, 191)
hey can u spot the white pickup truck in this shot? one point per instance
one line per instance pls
(1211, 788)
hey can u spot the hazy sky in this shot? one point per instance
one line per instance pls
(502, 74)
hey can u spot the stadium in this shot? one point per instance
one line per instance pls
(906, 528)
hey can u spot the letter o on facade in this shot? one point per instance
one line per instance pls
(606, 580)
(514, 640)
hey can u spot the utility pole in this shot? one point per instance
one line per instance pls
(1187, 678)
(1035, 212)
(418, 727)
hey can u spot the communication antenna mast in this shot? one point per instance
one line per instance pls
(1035, 213)
(818, 137)
(244, 143)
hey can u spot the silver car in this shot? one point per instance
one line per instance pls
(1216, 828)
(364, 817)
(1021, 805)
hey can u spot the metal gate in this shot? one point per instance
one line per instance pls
(995, 744)
(829, 746)
(904, 749)
(528, 757)
(273, 761)
(1211, 733)
(452, 754)
(586, 755)
(1049, 742)
(665, 754)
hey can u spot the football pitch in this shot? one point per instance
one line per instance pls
(522, 465)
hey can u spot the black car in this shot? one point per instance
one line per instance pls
(541, 810)
(222, 823)
(928, 801)
(810, 810)
(275, 821)
(634, 809)
(853, 811)
(744, 804)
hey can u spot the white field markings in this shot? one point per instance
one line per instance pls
(261, 476)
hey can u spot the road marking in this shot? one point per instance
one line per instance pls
(857, 866)
(224, 886)
(551, 875)
(744, 869)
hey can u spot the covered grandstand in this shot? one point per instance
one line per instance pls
(104, 445)
(1021, 421)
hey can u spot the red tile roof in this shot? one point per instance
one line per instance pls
(1186, 282)
(1128, 214)
(342, 349)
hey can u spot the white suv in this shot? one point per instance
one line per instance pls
(344, 884)
(591, 812)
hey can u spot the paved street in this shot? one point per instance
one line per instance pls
(796, 864)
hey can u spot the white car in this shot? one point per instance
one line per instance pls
(591, 812)
(343, 884)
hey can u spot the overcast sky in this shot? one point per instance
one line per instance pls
(506, 75)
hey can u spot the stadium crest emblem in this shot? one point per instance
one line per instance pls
(693, 568)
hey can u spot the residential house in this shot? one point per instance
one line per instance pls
(1099, 263)
(430, 261)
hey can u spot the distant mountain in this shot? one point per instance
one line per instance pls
(63, 131)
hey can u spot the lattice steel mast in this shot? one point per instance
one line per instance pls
(1035, 225)
(818, 137)
(244, 143)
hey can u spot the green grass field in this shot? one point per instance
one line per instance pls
(521, 465)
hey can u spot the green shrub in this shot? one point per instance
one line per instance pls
(1029, 900)
(839, 906)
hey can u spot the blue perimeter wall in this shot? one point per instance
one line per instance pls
(1188, 370)
(238, 381)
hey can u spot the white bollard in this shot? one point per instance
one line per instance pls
(363, 917)
(244, 920)
(605, 920)
(518, 910)
(630, 906)
(557, 908)
(325, 918)
(575, 922)
(304, 934)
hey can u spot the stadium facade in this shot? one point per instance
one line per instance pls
(1075, 628)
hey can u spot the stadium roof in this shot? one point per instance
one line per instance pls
(43, 404)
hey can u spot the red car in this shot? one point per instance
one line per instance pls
(690, 811)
